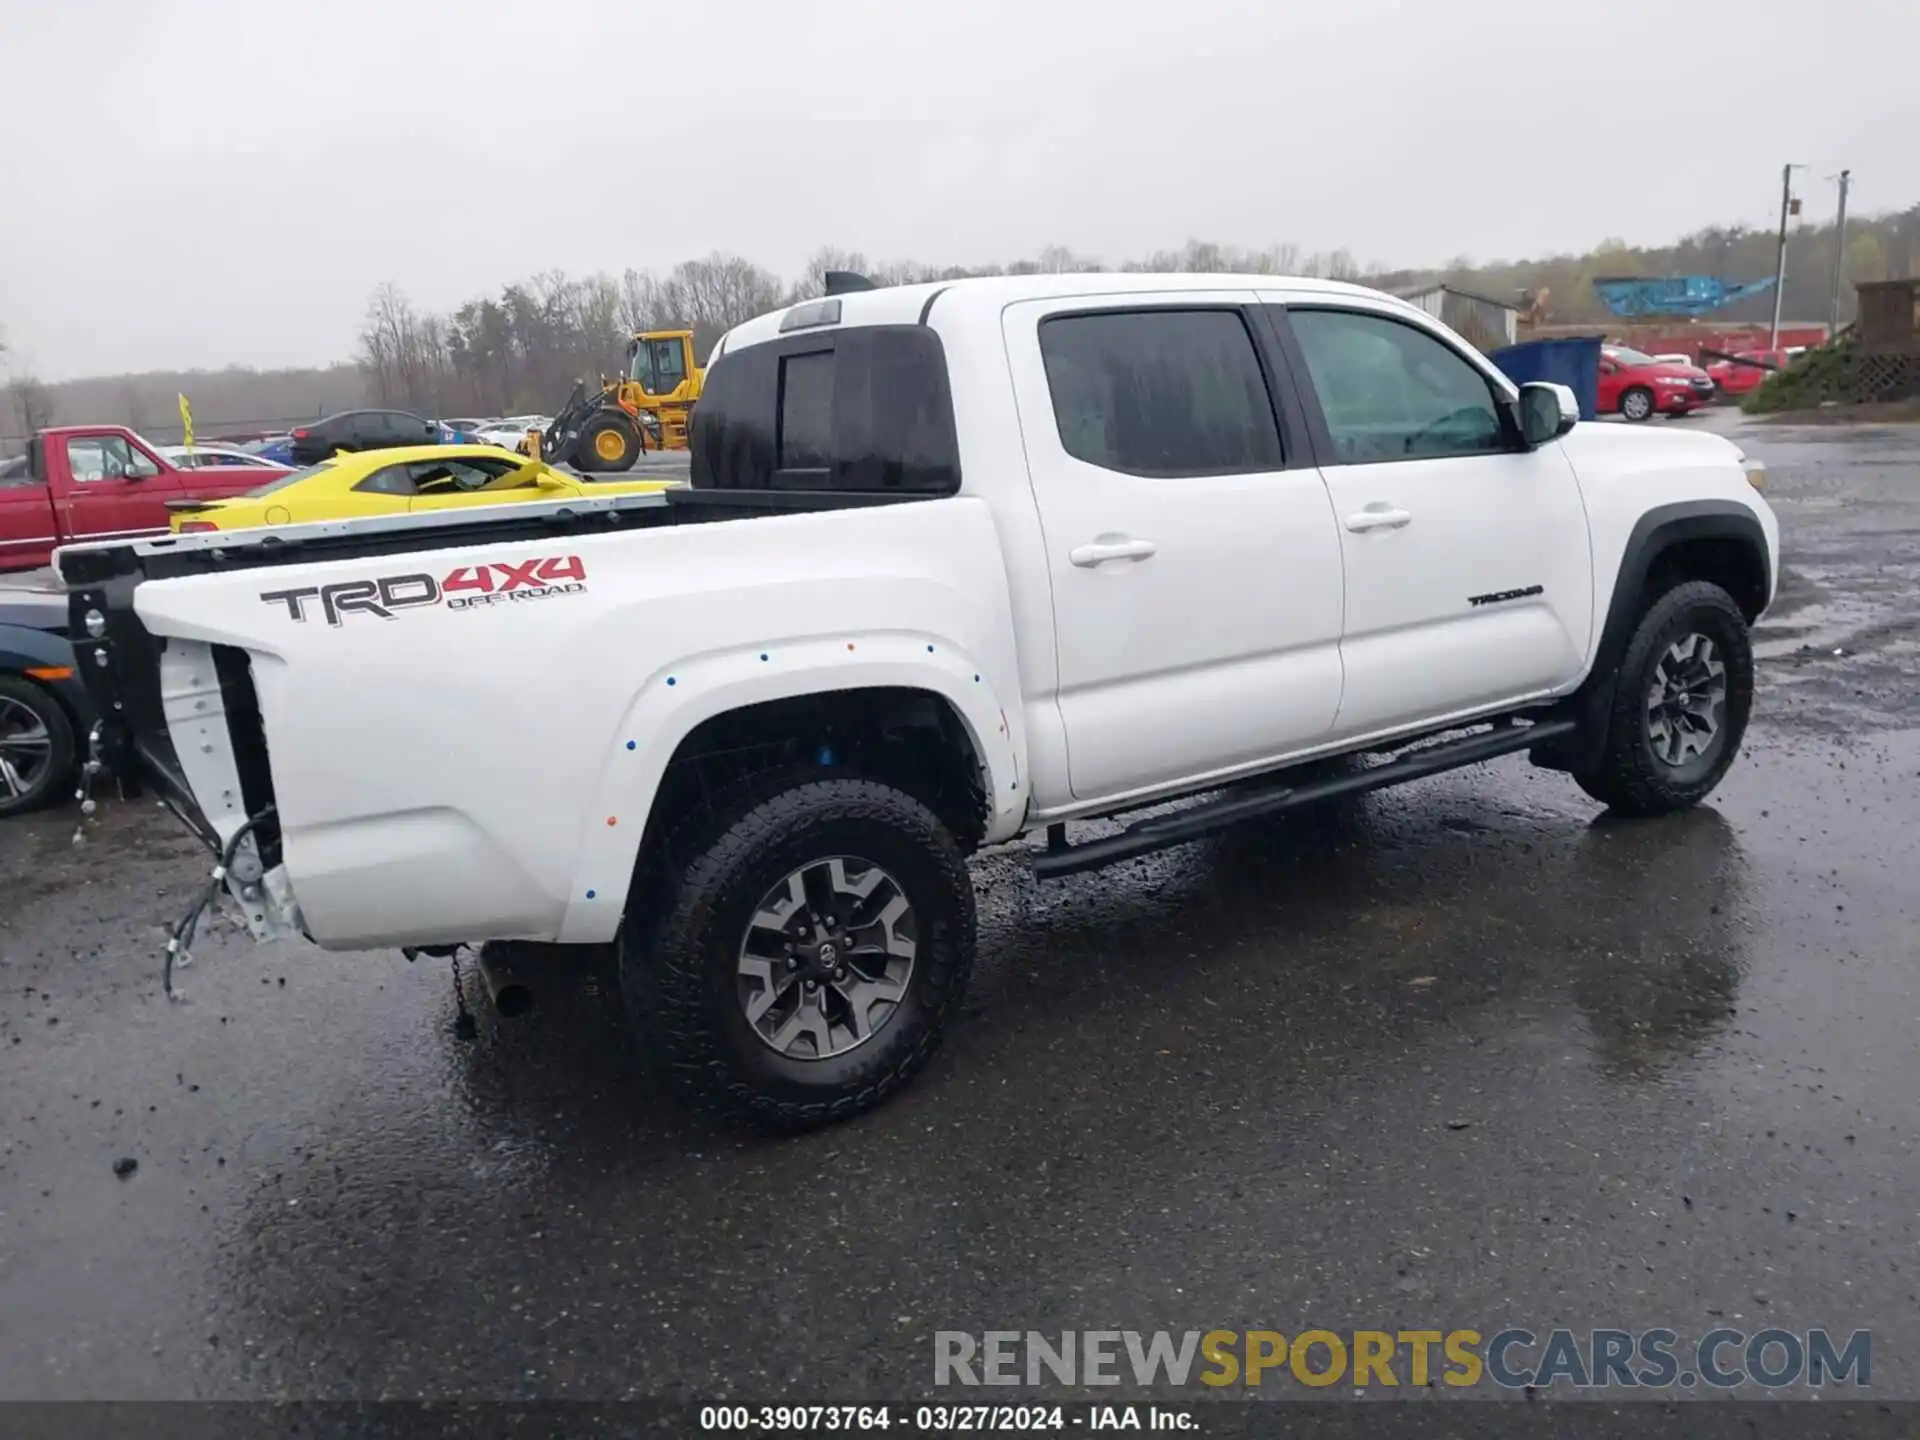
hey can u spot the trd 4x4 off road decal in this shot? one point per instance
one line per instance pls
(468, 588)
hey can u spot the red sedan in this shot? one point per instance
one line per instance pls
(1745, 372)
(1639, 387)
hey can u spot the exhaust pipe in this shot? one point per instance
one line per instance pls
(507, 985)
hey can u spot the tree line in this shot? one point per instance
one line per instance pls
(521, 350)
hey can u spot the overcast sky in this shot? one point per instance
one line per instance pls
(203, 182)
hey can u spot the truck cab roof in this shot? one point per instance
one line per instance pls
(914, 304)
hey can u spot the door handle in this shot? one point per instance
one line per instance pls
(1106, 548)
(1379, 516)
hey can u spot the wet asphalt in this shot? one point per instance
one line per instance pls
(1462, 1054)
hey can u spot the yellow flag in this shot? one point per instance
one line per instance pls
(186, 423)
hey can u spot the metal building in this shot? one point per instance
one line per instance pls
(1488, 323)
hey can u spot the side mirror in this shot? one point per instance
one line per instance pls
(1547, 411)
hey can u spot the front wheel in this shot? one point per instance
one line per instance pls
(1637, 403)
(803, 954)
(1680, 704)
(36, 747)
(609, 441)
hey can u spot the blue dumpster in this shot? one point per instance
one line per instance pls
(1574, 363)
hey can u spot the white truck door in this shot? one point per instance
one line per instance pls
(1468, 567)
(1194, 558)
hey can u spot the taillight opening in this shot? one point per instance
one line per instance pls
(188, 527)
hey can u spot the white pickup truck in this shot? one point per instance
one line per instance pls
(958, 562)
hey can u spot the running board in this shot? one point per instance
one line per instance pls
(1145, 836)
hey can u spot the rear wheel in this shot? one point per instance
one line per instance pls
(36, 746)
(1680, 704)
(1636, 403)
(609, 441)
(803, 952)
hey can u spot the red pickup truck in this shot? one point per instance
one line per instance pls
(96, 482)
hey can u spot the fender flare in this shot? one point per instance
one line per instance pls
(677, 698)
(1653, 534)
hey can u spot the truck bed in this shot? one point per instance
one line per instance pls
(122, 662)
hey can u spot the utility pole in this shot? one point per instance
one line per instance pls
(1839, 256)
(1787, 207)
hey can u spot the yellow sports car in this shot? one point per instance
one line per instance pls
(402, 481)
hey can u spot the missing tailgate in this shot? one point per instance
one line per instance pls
(242, 704)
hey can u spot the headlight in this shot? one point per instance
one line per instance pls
(96, 623)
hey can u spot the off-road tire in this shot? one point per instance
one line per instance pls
(680, 950)
(1653, 405)
(588, 461)
(1629, 777)
(58, 781)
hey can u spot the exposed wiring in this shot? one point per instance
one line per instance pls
(179, 944)
(84, 794)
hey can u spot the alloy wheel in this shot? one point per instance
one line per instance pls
(827, 958)
(1686, 700)
(26, 750)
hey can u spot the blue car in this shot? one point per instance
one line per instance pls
(44, 710)
(278, 449)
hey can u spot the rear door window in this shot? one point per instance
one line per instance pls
(865, 409)
(1160, 393)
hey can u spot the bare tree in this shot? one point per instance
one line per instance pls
(713, 295)
(641, 302)
(133, 406)
(813, 281)
(32, 405)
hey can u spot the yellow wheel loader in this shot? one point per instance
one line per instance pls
(649, 408)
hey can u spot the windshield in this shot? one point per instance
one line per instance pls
(1631, 357)
(291, 478)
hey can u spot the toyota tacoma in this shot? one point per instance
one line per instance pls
(958, 563)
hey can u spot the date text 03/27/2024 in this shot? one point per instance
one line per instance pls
(941, 1419)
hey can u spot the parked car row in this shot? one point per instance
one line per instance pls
(358, 430)
(511, 433)
(98, 482)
